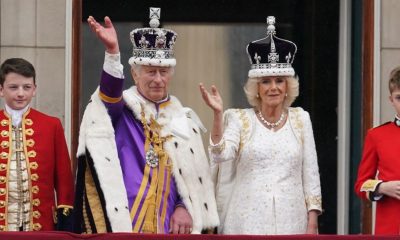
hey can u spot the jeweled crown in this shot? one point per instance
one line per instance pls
(271, 56)
(153, 46)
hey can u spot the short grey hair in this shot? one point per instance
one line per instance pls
(251, 91)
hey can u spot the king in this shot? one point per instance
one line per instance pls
(142, 165)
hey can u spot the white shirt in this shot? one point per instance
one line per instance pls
(16, 115)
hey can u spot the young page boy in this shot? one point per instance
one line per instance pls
(36, 184)
(379, 170)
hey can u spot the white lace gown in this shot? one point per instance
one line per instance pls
(275, 184)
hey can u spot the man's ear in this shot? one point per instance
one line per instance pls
(134, 75)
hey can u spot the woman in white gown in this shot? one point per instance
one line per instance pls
(265, 159)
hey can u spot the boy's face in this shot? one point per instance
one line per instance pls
(17, 90)
(395, 100)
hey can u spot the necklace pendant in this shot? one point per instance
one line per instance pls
(151, 158)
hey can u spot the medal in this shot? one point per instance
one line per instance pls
(151, 157)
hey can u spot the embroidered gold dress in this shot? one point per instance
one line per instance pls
(274, 178)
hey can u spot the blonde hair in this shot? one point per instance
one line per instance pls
(394, 80)
(251, 91)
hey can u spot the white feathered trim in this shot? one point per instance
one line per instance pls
(97, 135)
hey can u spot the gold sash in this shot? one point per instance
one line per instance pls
(149, 220)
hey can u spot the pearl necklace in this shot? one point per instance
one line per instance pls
(273, 124)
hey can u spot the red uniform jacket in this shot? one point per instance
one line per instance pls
(381, 162)
(49, 167)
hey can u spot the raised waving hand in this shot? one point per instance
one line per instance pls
(214, 101)
(106, 33)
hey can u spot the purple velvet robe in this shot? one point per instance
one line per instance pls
(130, 141)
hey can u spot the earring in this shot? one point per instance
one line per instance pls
(285, 94)
(258, 95)
(397, 121)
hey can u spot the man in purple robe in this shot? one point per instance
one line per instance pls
(141, 162)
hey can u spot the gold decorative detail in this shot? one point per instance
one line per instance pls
(108, 99)
(28, 122)
(30, 142)
(66, 211)
(5, 144)
(4, 122)
(370, 185)
(2, 204)
(37, 227)
(35, 189)
(29, 131)
(4, 155)
(2, 191)
(32, 153)
(36, 214)
(36, 202)
(34, 177)
(297, 123)
(217, 149)
(4, 133)
(93, 200)
(2, 228)
(150, 219)
(3, 166)
(33, 165)
(2, 179)
(2, 216)
(313, 201)
(245, 131)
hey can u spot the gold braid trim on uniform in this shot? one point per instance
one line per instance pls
(151, 205)
(370, 185)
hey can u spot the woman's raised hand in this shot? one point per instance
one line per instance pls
(106, 34)
(213, 99)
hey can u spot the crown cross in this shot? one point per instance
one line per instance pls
(273, 57)
(154, 17)
(257, 58)
(155, 13)
(271, 25)
(271, 20)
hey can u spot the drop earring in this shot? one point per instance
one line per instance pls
(397, 121)
(258, 95)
